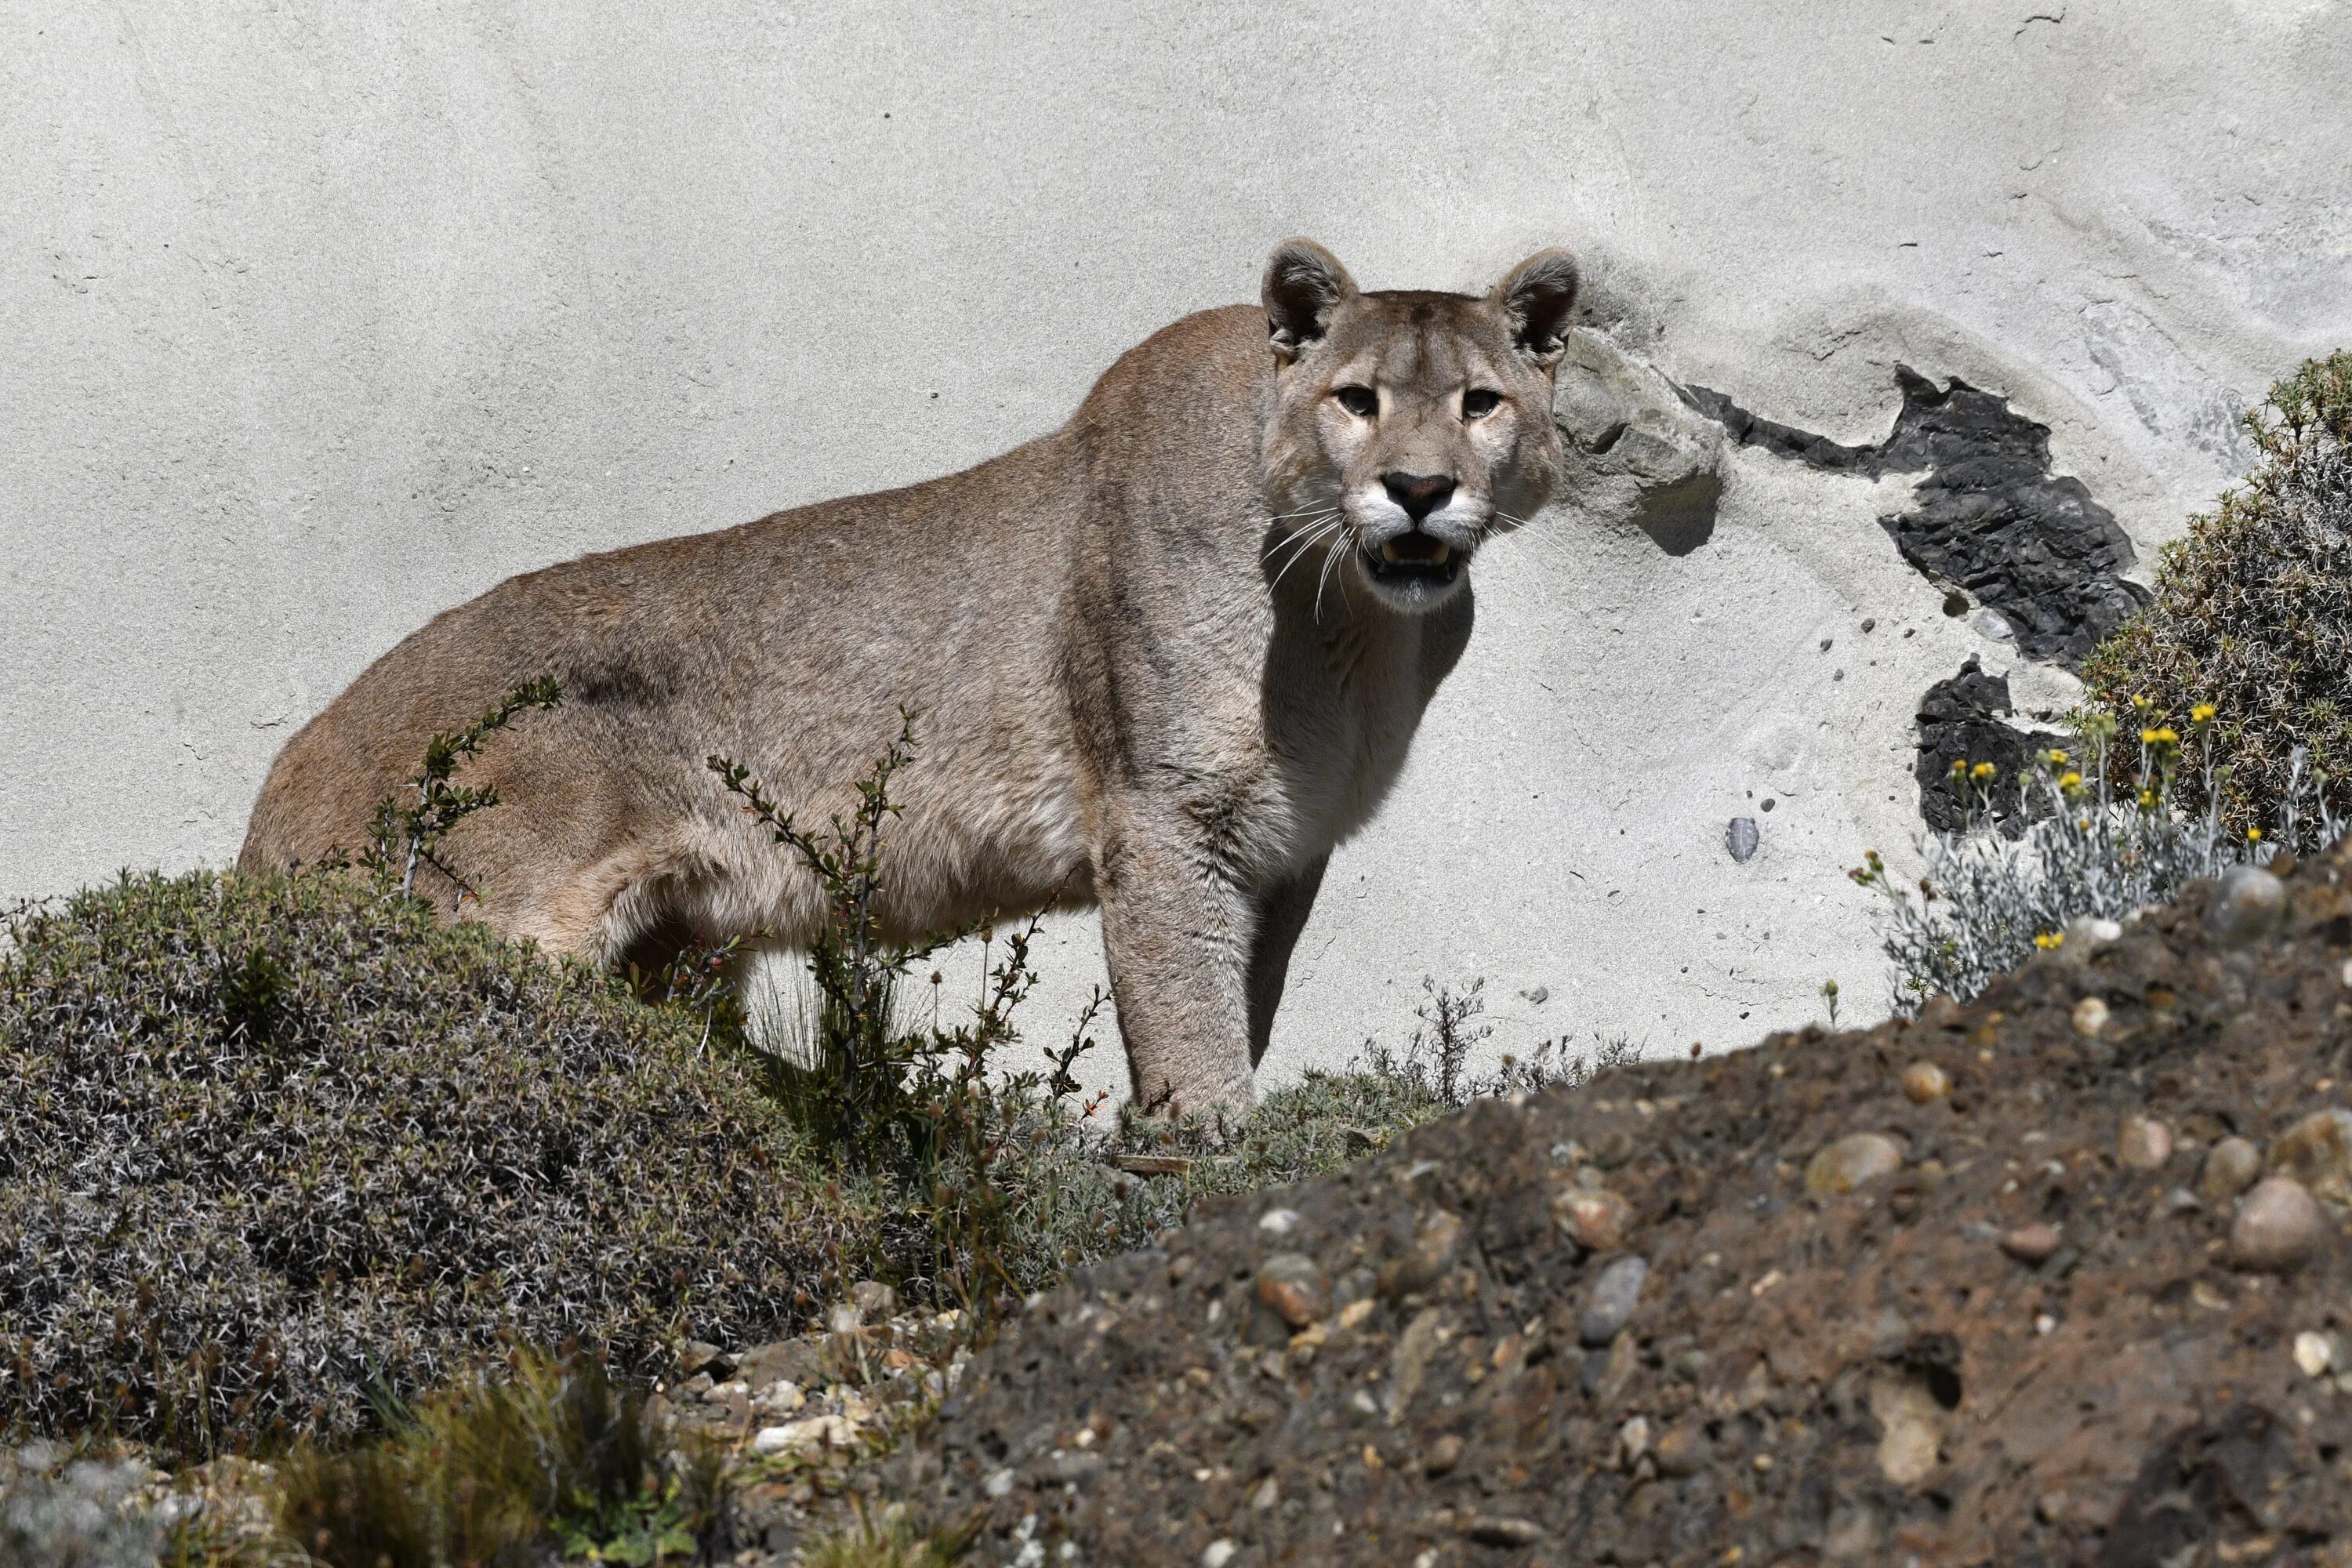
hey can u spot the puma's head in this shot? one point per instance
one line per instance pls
(1409, 426)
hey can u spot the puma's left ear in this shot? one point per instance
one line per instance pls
(1536, 300)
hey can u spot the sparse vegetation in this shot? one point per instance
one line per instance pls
(550, 1458)
(1989, 901)
(2252, 614)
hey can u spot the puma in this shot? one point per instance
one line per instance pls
(1162, 661)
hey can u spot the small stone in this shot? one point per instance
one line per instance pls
(1293, 1285)
(2314, 1353)
(1924, 1083)
(1495, 1529)
(1279, 1222)
(998, 1484)
(1632, 1441)
(2087, 933)
(2278, 1225)
(2317, 1151)
(2231, 1168)
(2247, 903)
(1681, 1451)
(1742, 838)
(2144, 1143)
(874, 1300)
(1614, 1295)
(2030, 1243)
(1434, 1244)
(2090, 1017)
(1852, 1162)
(699, 1356)
(2050, 1507)
(816, 1431)
(1219, 1553)
(1594, 1218)
(1442, 1456)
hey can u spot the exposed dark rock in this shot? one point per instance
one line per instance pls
(1989, 515)
(1961, 721)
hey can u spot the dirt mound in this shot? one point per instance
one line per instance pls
(2057, 1277)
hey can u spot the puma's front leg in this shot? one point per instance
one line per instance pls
(1176, 934)
(1282, 912)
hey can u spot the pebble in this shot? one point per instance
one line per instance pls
(2084, 932)
(1632, 1441)
(1741, 838)
(1924, 1083)
(874, 1300)
(1614, 1295)
(1293, 1285)
(1279, 1222)
(2231, 1168)
(2317, 1151)
(2030, 1243)
(2314, 1353)
(1681, 1451)
(2247, 903)
(1434, 1244)
(1220, 1552)
(1594, 1218)
(1850, 1162)
(2144, 1145)
(1492, 1530)
(1442, 1455)
(796, 1437)
(2090, 1017)
(2277, 1226)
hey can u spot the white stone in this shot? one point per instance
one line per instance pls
(1279, 1222)
(2314, 1353)
(1219, 1553)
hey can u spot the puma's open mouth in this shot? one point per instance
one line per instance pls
(1415, 557)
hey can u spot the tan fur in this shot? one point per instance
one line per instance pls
(1152, 667)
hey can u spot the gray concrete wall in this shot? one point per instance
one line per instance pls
(317, 318)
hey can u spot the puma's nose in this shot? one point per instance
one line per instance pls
(1419, 494)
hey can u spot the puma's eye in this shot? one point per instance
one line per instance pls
(1477, 405)
(1359, 401)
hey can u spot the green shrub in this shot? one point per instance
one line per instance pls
(269, 1147)
(2252, 614)
(499, 1472)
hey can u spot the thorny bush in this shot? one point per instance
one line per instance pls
(2252, 613)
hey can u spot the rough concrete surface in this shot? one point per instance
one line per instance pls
(318, 320)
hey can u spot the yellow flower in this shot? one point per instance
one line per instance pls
(2048, 939)
(2202, 714)
(1982, 772)
(2070, 781)
(2148, 800)
(1959, 766)
(2054, 757)
(2165, 737)
(2142, 704)
(2253, 835)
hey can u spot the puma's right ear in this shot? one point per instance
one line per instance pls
(1304, 284)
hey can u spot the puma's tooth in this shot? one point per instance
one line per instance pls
(1389, 551)
(1443, 551)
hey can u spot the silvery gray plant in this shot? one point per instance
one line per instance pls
(2074, 852)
